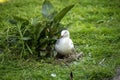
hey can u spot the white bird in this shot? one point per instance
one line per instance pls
(64, 46)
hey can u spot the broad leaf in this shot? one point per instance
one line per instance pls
(48, 10)
(62, 13)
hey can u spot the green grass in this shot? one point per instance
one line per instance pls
(95, 30)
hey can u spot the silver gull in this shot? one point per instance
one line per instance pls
(64, 46)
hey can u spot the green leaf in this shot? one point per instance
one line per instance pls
(48, 10)
(62, 13)
(39, 31)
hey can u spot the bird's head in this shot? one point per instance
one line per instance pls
(65, 33)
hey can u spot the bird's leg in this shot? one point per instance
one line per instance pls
(60, 56)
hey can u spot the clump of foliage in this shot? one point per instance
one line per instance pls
(39, 35)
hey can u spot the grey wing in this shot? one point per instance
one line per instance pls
(57, 43)
(72, 47)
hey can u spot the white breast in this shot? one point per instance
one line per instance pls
(64, 46)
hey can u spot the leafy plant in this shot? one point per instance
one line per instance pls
(40, 36)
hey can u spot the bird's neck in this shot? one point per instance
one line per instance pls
(66, 37)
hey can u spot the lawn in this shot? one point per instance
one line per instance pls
(94, 27)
